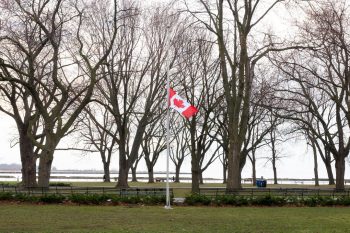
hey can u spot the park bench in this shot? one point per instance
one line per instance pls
(160, 179)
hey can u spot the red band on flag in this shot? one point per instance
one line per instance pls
(189, 112)
(171, 93)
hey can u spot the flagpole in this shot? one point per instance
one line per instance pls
(167, 205)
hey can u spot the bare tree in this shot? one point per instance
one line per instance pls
(17, 104)
(261, 123)
(134, 83)
(233, 22)
(319, 79)
(20, 51)
(97, 133)
(153, 144)
(199, 75)
(180, 150)
(58, 95)
(275, 138)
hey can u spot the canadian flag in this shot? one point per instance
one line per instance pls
(181, 105)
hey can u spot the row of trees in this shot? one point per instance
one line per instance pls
(98, 70)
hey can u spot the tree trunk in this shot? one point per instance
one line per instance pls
(149, 167)
(331, 180)
(28, 161)
(234, 178)
(254, 172)
(195, 174)
(177, 173)
(195, 168)
(201, 177)
(107, 176)
(274, 154)
(274, 171)
(45, 163)
(150, 175)
(224, 168)
(133, 174)
(340, 172)
(315, 163)
(123, 178)
(123, 172)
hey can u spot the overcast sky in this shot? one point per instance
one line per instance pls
(297, 161)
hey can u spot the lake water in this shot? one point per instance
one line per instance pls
(97, 176)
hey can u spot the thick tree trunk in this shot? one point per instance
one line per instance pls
(177, 173)
(45, 163)
(201, 177)
(123, 178)
(195, 168)
(28, 172)
(195, 174)
(340, 172)
(28, 161)
(133, 174)
(331, 180)
(46, 159)
(149, 168)
(234, 177)
(224, 170)
(106, 163)
(150, 175)
(123, 172)
(107, 175)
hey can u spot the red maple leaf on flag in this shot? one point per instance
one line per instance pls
(179, 103)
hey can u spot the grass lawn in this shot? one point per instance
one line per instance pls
(66, 218)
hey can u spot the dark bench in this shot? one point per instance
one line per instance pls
(160, 179)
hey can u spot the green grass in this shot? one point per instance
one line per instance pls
(64, 218)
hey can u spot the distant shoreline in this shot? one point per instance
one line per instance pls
(56, 175)
(90, 172)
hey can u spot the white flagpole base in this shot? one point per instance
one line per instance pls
(168, 207)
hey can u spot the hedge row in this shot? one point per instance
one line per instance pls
(268, 200)
(86, 199)
(195, 199)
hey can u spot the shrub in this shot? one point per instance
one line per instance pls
(130, 199)
(153, 200)
(99, 199)
(89, 198)
(195, 199)
(52, 198)
(6, 196)
(311, 201)
(345, 201)
(243, 201)
(25, 197)
(232, 200)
